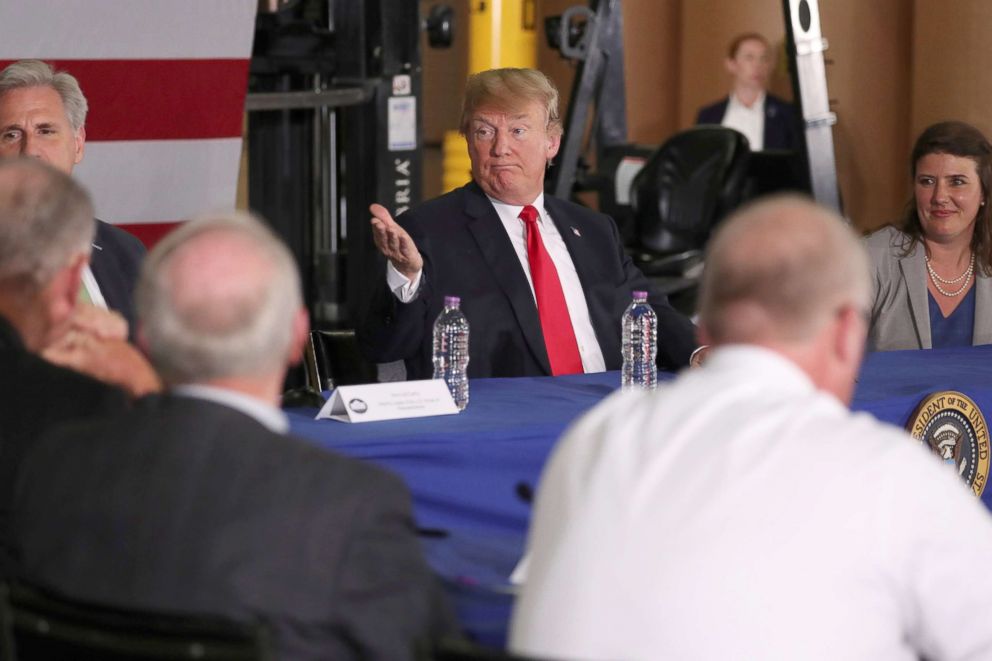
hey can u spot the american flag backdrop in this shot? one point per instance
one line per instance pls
(166, 83)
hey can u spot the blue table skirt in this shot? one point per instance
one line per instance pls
(465, 471)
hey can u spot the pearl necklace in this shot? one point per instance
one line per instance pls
(966, 276)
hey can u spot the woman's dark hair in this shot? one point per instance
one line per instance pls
(956, 139)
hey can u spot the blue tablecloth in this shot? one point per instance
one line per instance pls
(467, 472)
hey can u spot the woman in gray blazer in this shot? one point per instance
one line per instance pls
(932, 285)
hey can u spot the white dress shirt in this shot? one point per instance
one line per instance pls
(266, 415)
(93, 289)
(578, 310)
(739, 513)
(749, 121)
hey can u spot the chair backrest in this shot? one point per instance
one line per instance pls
(687, 186)
(38, 624)
(453, 649)
(332, 359)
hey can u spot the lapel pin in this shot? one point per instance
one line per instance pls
(576, 232)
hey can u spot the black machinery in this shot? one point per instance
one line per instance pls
(334, 124)
(668, 200)
(335, 117)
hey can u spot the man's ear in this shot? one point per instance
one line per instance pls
(60, 298)
(849, 342)
(80, 139)
(301, 331)
(64, 289)
(730, 65)
(554, 143)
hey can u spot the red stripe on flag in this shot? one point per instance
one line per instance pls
(160, 99)
(150, 233)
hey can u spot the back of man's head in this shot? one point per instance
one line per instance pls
(778, 270)
(46, 227)
(219, 299)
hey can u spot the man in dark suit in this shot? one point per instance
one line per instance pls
(46, 229)
(543, 282)
(766, 120)
(42, 115)
(197, 501)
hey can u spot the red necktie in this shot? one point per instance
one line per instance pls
(559, 338)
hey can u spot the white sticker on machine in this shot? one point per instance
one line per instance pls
(402, 123)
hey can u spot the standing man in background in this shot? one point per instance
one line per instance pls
(767, 121)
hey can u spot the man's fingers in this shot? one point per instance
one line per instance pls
(381, 213)
(394, 242)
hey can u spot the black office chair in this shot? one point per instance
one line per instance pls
(687, 186)
(455, 649)
(37, 624)
(332, 359)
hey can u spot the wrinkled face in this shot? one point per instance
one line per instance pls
(33, 123)
(948, 195)
(510, 152)
(751, 65)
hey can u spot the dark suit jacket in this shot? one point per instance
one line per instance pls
(34, 396)
(468, 254)
(781, 128)
(116, 262)
(191, 506)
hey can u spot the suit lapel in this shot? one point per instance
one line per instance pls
(914, 275)
(497, 251)
(576, 244)
(982, 333)
(102, 270)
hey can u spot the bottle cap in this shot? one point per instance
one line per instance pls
(452, 301)
(640, 295)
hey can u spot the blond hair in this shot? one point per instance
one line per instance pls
(509, 90)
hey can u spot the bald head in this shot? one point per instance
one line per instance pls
(777, 271)
(217, 299)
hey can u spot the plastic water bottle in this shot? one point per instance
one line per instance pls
(639, 344)
(451, 350)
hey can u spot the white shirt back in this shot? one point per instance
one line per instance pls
(740, 513)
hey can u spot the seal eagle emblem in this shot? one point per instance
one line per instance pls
(954, 429)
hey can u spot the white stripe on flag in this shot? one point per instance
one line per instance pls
(143, 181)
(126, 29)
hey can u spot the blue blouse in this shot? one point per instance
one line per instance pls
(956, 330)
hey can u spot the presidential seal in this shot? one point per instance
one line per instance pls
(954, 429)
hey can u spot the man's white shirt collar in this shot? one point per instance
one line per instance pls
(511, 212)
(266, 415)
(749, 121)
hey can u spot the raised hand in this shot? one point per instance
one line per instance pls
(394, 242)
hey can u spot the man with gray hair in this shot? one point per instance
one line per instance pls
(43, 116)
(197, 501)
(46, 226)
(742, 511)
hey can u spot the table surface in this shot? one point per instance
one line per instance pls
(467, 472)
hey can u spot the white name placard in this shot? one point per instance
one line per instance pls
(389, 401)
